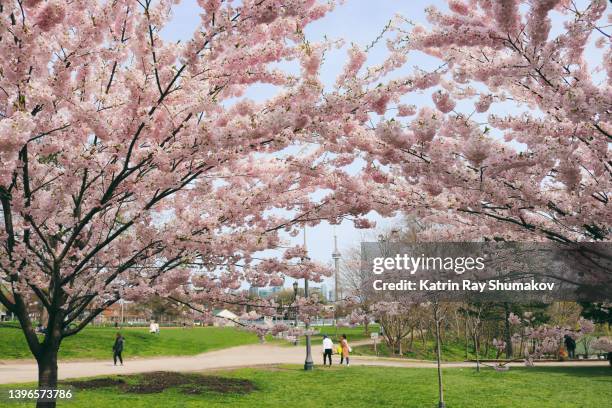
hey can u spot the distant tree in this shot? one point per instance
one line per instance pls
(397, 320)
(598, 312)
(356, 280)
(158, 307)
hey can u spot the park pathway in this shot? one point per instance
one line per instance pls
(241, 356)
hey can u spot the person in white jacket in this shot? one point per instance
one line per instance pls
(328, 346)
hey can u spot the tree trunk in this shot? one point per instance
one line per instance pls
(441, 403)
(47, 375)
(477, 353)
(410, 347)
(467, 342)
(47, 359)
(508, 338)
(422, 334)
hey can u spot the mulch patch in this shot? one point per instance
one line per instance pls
(156, 382)
(96, 383)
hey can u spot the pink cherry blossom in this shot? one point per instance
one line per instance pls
(602, 344)
(133, 166)
(514, 319)
(443, 101)
(539, 171)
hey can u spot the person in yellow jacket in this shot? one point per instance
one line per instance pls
(345, 350)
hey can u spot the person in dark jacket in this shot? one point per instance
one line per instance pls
(570, 345)
(118, 349)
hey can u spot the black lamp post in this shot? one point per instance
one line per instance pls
(308, 364)
(295, 288)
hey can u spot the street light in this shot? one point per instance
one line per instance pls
(308, 364)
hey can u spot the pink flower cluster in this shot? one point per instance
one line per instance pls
(543, 340)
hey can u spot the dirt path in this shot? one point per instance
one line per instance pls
(242, 356)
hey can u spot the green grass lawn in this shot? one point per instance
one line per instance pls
(288, 386)
(97, 342)
(451, 351)
(352, 333)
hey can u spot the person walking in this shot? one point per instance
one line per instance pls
(570, 345)
(118, 349)
(346, 349)
(328, 346)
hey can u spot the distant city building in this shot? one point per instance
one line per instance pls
(254, 291)
(267, 292)
(324, 291)
(336, 257)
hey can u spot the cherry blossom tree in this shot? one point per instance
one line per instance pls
(499, 345)
(515, 142)
(397, 320)
(603, 344)
(133, 166)
(541, 340)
